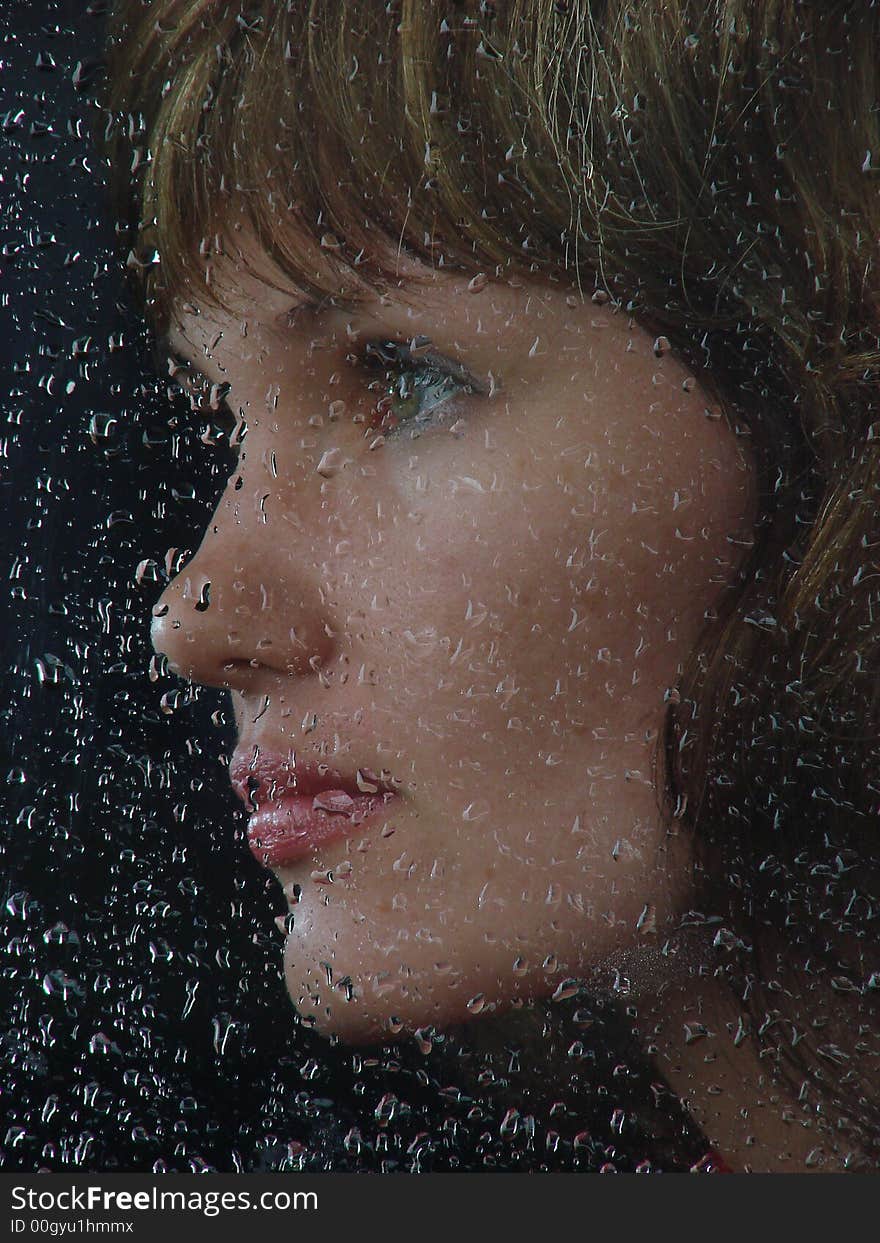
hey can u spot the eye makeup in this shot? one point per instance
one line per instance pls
(416, 384)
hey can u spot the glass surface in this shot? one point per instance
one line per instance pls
(438, 564)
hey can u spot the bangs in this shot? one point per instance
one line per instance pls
(338, 140)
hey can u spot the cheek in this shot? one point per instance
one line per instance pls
(531, 606)
(507, 567)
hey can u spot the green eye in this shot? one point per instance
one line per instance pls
(413, 388)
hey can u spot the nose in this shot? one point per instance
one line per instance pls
(242, 607)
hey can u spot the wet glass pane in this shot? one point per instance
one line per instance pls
(440, 491)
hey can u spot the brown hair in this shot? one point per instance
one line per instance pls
(710, 165)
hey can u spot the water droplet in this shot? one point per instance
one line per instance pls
(331, 463)
(386, 1108)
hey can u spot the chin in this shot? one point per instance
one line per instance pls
(370, 1007)
(375, 1003)
(360, 971)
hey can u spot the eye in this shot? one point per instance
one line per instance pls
(413, 384)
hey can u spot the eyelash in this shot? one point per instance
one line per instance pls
(396, 361)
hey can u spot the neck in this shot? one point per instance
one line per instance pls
(571, 1074)
(568, 1084)
(734, 1087)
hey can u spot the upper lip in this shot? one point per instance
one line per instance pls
(269, 775)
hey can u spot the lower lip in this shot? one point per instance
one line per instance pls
(292, 828)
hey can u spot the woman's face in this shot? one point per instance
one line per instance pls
(482, 619)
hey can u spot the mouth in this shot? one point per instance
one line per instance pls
(298, 808)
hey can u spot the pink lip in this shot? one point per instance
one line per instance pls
(298, 809)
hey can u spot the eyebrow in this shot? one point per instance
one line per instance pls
(310, 308)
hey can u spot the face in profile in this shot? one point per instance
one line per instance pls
(474, 530)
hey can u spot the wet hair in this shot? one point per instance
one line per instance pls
(710, 168)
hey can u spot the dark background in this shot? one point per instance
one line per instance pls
(144, 1022)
